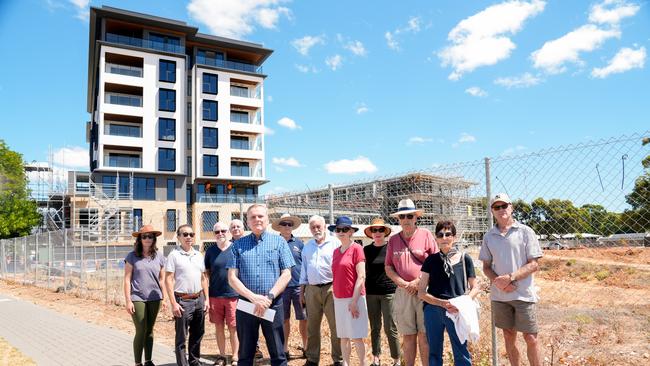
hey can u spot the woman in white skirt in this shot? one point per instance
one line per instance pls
(349, 272)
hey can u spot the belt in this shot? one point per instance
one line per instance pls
(187, 296)
(322, 284)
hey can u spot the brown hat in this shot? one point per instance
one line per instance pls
(378, 222)
(286, 218)
(146, 229)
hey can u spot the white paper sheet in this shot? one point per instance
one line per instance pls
(248, 307)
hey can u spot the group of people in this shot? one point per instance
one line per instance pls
(414, 283)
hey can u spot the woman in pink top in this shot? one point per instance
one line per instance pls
(349, 273)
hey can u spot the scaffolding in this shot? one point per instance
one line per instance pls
(449, 197)
(48, 190)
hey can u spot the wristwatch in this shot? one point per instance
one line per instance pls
(512, 277)
(270, 296)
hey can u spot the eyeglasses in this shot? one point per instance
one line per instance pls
(377, 229)
(185, 235)
(500, 207)
(147, 236)
(220, 231)
(407, 216)
(446, 234)
(342, 229)
(284, 223)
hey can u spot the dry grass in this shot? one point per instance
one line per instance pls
(9, 356)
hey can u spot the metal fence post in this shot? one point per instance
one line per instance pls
(488, 193)
(65, 262)
(83, 263)
(241, 210)
(25, 260)
(3, 265)
(36, 257)
(106, 269)
(331, 191)
(15, 259)
(49, 258)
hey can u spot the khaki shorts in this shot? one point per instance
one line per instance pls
(408, 313)
(516, 314)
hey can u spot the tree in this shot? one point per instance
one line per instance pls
(638, 219)
(18, 213)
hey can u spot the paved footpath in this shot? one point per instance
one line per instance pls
(51, 338)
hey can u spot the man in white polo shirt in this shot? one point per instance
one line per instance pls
(509, 254)
(187, 291)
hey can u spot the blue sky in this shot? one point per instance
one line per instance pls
(364, 88)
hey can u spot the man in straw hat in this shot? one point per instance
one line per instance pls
(405, 254)
(509, 254)
(285, 225)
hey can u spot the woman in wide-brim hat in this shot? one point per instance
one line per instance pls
(379, 292)
(143, 293)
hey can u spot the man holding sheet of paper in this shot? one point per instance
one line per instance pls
(259, 271)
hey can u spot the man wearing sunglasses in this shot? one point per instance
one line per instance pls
(405, 254)
(187, 290)
(509, 254)
(285, 225)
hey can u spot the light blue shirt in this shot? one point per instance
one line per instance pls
(317, 261)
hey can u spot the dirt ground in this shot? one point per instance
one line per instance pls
(594, 310)
(9, 356)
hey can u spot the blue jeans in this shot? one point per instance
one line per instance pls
(435, 322)
(248, 327)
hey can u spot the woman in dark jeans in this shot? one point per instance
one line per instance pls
(443, 279)
(143, 275)
(379, 292)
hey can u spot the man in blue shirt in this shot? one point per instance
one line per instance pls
(259, 271)
(285, 225)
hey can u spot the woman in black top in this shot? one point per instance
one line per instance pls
(443, 279)
(379, 292)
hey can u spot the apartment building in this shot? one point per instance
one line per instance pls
(177, 126)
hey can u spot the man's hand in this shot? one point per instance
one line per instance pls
(206, 305)
(302, 298)
(501, 282)
(130, 308)
(354, 309)
(261, 303)
(177, 310)
(163, 304)
(511, 287)
(412, 287)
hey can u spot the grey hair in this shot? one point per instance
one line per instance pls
(318, 218)
(236, 221)
(219, 224)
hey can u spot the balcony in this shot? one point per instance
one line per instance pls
(228, 198)
(123, 99)
(250, 143)
(124, 70)
(232, 65)
(144, 43)
(243, 92)
(114, 160)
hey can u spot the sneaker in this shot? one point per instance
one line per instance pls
(338, 363)
(148, 363)
(258, 353)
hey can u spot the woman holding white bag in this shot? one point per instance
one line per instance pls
(446, 275)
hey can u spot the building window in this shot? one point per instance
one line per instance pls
(210, 58)
(167, 71)
(188, 194)
(137, 219)
(171, 220)
(115, 129)
(189, 166)
(208, 219)
(116, 160)
(239, 169)
(163, 42)
(239, 116)
(210, 165)
(189, 138)
(144, 189)
(239, 91)
(209, 83)
(239, 142)
(167, 159)
(189, 113)
(171, 189)
(209, 110)
(210, 138)
(167, 100)
(166, 129)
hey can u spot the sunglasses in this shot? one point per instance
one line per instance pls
(147, 236)
(342, 229)
(220, 231)
(407, 216)
(185, 235)
(377, 229)
(288, 224)
(447, 234)
(500, 207)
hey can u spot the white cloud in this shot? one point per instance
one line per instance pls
(237, 19)
(269, 98)
(289, 123)
(412, 26)
(481, 39)
(306, 68)
(290, 162)
(334, 62)
(74, 157)
(612, 11)
(513, 150)
(268, 131)
(304, 44)
(475, 91)
(362, 108)
(354, 166)
(554, 54)
(356, 47)
(417, 140)
(82, 8)
(465, 138)
(626, 59)
(523, 81)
